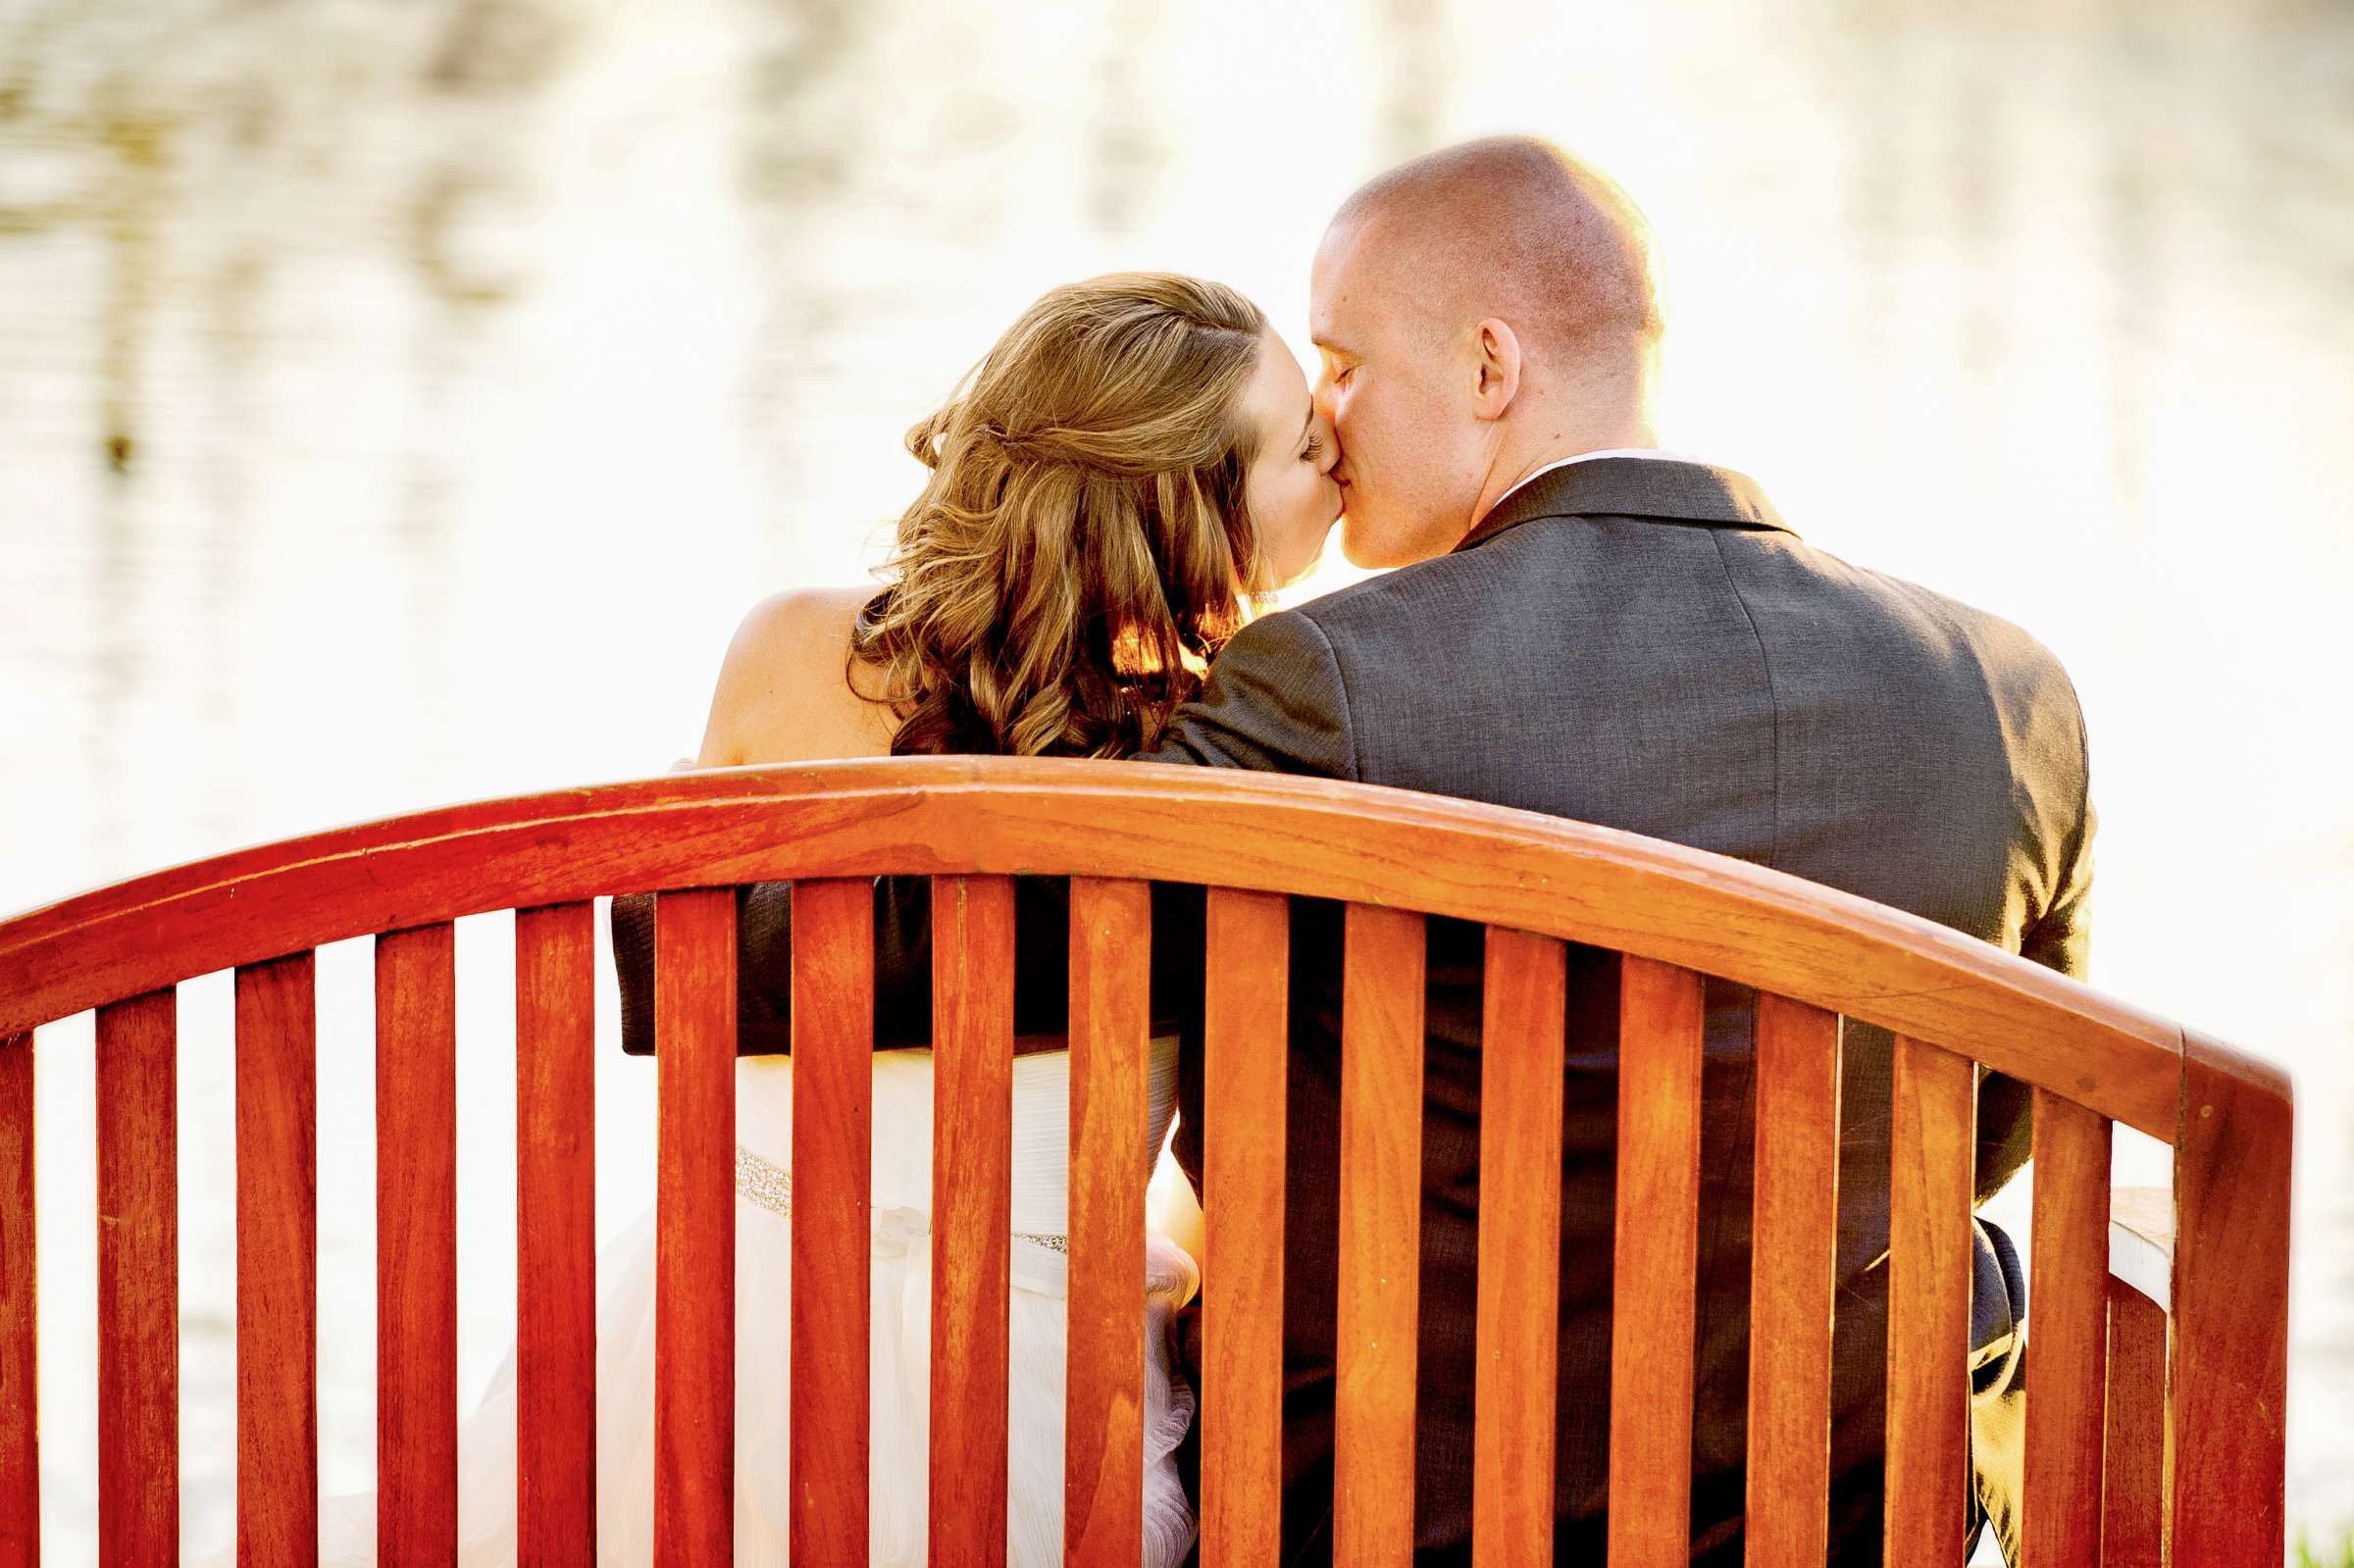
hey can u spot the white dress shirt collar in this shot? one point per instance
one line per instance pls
(1653, 453)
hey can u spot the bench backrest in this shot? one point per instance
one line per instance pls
(2113, 1382)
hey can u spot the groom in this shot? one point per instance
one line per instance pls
(1588, 626)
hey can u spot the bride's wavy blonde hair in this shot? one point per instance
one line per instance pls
(1081, 547)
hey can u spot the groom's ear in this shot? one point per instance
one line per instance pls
(1496, 367)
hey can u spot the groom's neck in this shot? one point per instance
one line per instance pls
(1632, 432)
(1599, 402)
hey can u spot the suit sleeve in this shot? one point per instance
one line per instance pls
(2060, 939)
(1275, 700)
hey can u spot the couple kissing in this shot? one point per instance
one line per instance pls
(1579, 623)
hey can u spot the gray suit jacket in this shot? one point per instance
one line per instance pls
(1646, 644)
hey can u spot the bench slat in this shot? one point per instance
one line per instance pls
(138, 1281)
(1111, 1028)
(278, 1272)
(1795, 1253)
(2059, 1518)
(1933, 1137)
(695, 1207)
(1380, 1236)
(972, 1214)
(1245, 1059)
(1519, 1317)
(555, 1234)
(19, 1316)
(2229, 1298)
(2133, 1458)
(416, 1245)
(833, 1142)
(1653, 1262)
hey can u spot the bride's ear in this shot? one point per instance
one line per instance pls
(1496, 368)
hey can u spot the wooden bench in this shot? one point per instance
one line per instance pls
(2155, 1421)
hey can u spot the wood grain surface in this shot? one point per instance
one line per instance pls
(1111, 1027)
(1933, 1133)
(832, 1144)
(2133, 1517)
(1794, 1268)
(138, 1281)
(555, 1234)
(19, 1314)
(972, 1214)
(695, 1227)
(1517, 1315)
(2060, 1517)
(278, 1261)
(2230, 1371)
(1380, 1236)
(417, 1245)
(1656, 1246)
(1246, 1058)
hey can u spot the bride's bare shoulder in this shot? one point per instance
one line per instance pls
(799, 621)
(782, 694)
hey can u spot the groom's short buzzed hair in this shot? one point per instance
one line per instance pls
(1516, 227)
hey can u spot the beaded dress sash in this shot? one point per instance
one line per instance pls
(770, 1185)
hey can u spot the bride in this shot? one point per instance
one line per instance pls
(1130, 467)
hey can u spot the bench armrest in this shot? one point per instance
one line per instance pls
(2142, 1240)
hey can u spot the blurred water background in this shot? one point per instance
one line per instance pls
(401, 399)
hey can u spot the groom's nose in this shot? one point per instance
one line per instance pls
(1322, 396)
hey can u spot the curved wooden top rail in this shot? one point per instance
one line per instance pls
(937, 815)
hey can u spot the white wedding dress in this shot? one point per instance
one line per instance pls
(901, 1338)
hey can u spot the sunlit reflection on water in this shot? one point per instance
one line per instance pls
(399, 403)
